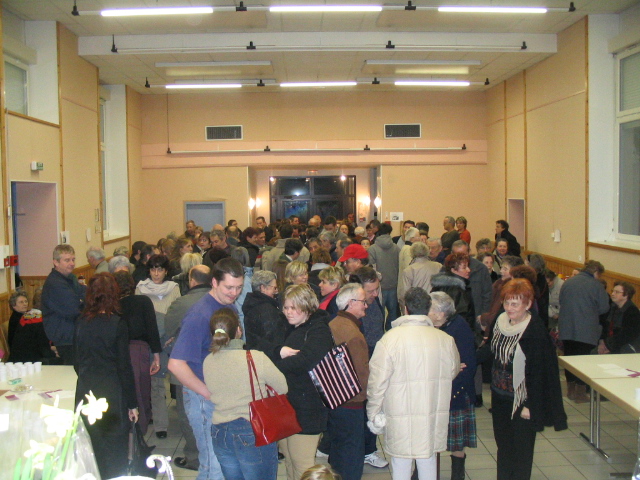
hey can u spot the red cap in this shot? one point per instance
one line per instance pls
(354, 250)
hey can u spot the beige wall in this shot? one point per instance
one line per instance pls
(79, 128)
(430, 192)
(134, 134)
(164, 191)
(545, 144)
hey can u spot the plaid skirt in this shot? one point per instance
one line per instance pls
(462, 428)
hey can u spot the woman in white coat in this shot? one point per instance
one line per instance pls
(409, 388)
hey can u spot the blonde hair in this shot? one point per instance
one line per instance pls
(224, 324)
(333, 275)
(302, 297)
(320, 472)
(190, 260)
(294, 269)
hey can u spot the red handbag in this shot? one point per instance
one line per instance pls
(272, 417)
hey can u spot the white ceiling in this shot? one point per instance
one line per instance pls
(328, 47)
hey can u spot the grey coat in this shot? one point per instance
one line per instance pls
(480, 282)
(582, 300)
(385, 255)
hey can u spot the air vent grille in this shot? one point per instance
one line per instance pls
(402, 131)
(225, 132)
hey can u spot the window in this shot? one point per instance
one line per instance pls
(16, 85)
(627, 222)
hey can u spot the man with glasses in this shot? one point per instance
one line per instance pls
(623, 321)
(347, 422)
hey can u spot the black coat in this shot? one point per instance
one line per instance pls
(459, 290)
(313, 339)
(542, 378)
(27, 340)
(253, 250)
(264, 324)
(629, 329)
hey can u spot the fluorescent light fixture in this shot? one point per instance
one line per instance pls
(246, 63)
(461, 9)
(325, 8)
(205, 85)
(432, 83)
(126, 12)
(421, 62)
(319, 84)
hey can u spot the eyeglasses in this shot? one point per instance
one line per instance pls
(364, 302)
(620, 292)
(156, 269)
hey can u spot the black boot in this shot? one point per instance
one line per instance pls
(457, 467)
(479, 401)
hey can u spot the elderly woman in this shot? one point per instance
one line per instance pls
(419, 272)
(331, 279)
(27, 340)
(525, 383)
(462, 415)
(296, 273)
(307, 342)
(411, 235)
(144, 342)
(264, 323)
(120, 263)
(187, 262)
(162, 293)
(411, 405)
(508, 262)
(487, 260)
(455, 283)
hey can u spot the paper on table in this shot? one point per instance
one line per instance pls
(614, 370)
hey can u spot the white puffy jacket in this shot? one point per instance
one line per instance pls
(410, 377)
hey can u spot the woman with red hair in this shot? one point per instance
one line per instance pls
(103, 365)
(525, 383)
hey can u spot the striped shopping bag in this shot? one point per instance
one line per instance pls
(335, 377)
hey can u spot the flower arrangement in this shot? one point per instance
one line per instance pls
(68, 455)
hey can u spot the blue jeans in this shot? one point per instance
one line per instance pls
(346, 455)
(240, 459)
(199, 412)
(390, 301)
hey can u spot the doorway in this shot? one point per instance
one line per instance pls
(516, 214)
(205, 214)
(35, 226)
(307, 196)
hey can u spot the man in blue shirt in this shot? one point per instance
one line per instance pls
(189, 352)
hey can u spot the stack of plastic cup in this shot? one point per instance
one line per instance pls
(37, 366)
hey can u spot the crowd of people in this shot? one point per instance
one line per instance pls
(424, 320)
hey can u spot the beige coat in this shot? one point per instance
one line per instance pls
(410, 377)
(417, 274)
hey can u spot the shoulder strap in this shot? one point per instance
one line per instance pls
(252, 371)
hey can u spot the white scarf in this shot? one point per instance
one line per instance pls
(160, 290)
(505, 345)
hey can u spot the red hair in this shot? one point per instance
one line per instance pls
(517, 288)
(454, 260)
(103, 296)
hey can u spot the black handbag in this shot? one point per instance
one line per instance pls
(139, 451)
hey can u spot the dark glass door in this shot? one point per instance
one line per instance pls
(308, 196)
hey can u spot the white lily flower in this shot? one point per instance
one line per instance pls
(94, 408)
(38, 452)
(57, 420)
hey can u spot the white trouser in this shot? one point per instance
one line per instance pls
(427, 468)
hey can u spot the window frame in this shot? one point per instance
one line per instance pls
(25, 68)
(622, 117)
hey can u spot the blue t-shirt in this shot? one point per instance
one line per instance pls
(194, 340)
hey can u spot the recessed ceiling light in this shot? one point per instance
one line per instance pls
(325, 8)
(319, 84)
(432, 83)
(462, 9)
(206, 85)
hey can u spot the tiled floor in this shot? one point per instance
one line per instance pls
(558, 455)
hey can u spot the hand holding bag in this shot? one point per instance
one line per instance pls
(272, 417)
(335, 377)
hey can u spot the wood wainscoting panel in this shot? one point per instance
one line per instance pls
(565, 267)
